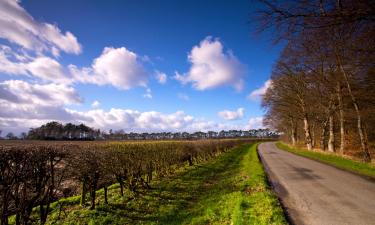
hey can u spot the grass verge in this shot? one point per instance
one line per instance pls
(365, 169)
(231, 189)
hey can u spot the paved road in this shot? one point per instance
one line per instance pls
(315, 193)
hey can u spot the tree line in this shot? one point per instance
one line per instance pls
(33, 176)
(323, 83)
(57, 131)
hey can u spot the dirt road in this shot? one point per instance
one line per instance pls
(315, 193)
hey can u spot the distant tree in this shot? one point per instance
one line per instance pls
(10, 136)
(57, 131)
(23, 135)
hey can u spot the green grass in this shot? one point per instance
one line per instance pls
(365, 169)
(231, 189)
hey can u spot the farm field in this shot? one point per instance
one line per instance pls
(157, 182)
(228, 190)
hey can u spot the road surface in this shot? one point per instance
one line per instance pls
(315, 193)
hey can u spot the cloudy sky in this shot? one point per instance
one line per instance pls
(132, 65)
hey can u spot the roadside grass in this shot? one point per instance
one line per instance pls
(230, 189)
(361, 168)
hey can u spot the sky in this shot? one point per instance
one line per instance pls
(140, 66)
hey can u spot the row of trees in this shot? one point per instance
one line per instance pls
(34, 175)
(57, 131)
(323, 84)
(121, 135)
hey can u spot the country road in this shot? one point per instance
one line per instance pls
(315, 193)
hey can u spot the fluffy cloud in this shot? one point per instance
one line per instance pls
(257, 93)
(26, 105)
(42, 67)
(148, 93)
(95, 104)
(232, 115)
(118, 67)
(183, 96)
(212, 67)
(161, 77)
(131, 120)
(21, 101)
(11, 62)
(152, 121)
(48, 69)
(17, 91)
(18, 27)
(255, 123)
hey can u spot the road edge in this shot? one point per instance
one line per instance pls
(363, 176)
(275, 187)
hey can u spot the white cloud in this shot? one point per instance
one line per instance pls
(131, 120)
(26, 105)
(255, 123)
(148, 94)
(42, 67)
(183, 96)
(19, 27)
(152, 121)
(257, 93)
(17, 91)
(95, 104)
(118, 67)
(212, 67)
(232, 115)
(48, 69)
(22, 101)
(7, 65)
(161, 77)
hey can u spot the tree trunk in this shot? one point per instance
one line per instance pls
(18, 218)
(341, 119)
(331, 139)
(83, 193)
(93, 196)
(323, 136)
(45, 203)
(93, 187)
(26, 215)
(306, 127)
(294, 135)
(312, 136)
(364, 145)
(42, 213)
(121, 182)
(4, 211)
(105, 194)
(190, 159)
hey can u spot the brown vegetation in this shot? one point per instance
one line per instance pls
(323, 82)
(33, 175)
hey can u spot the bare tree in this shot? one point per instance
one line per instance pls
(341, 33)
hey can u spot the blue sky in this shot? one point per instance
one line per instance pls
(117, 50)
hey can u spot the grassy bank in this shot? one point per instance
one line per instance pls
(365, 169)
(230, 189)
